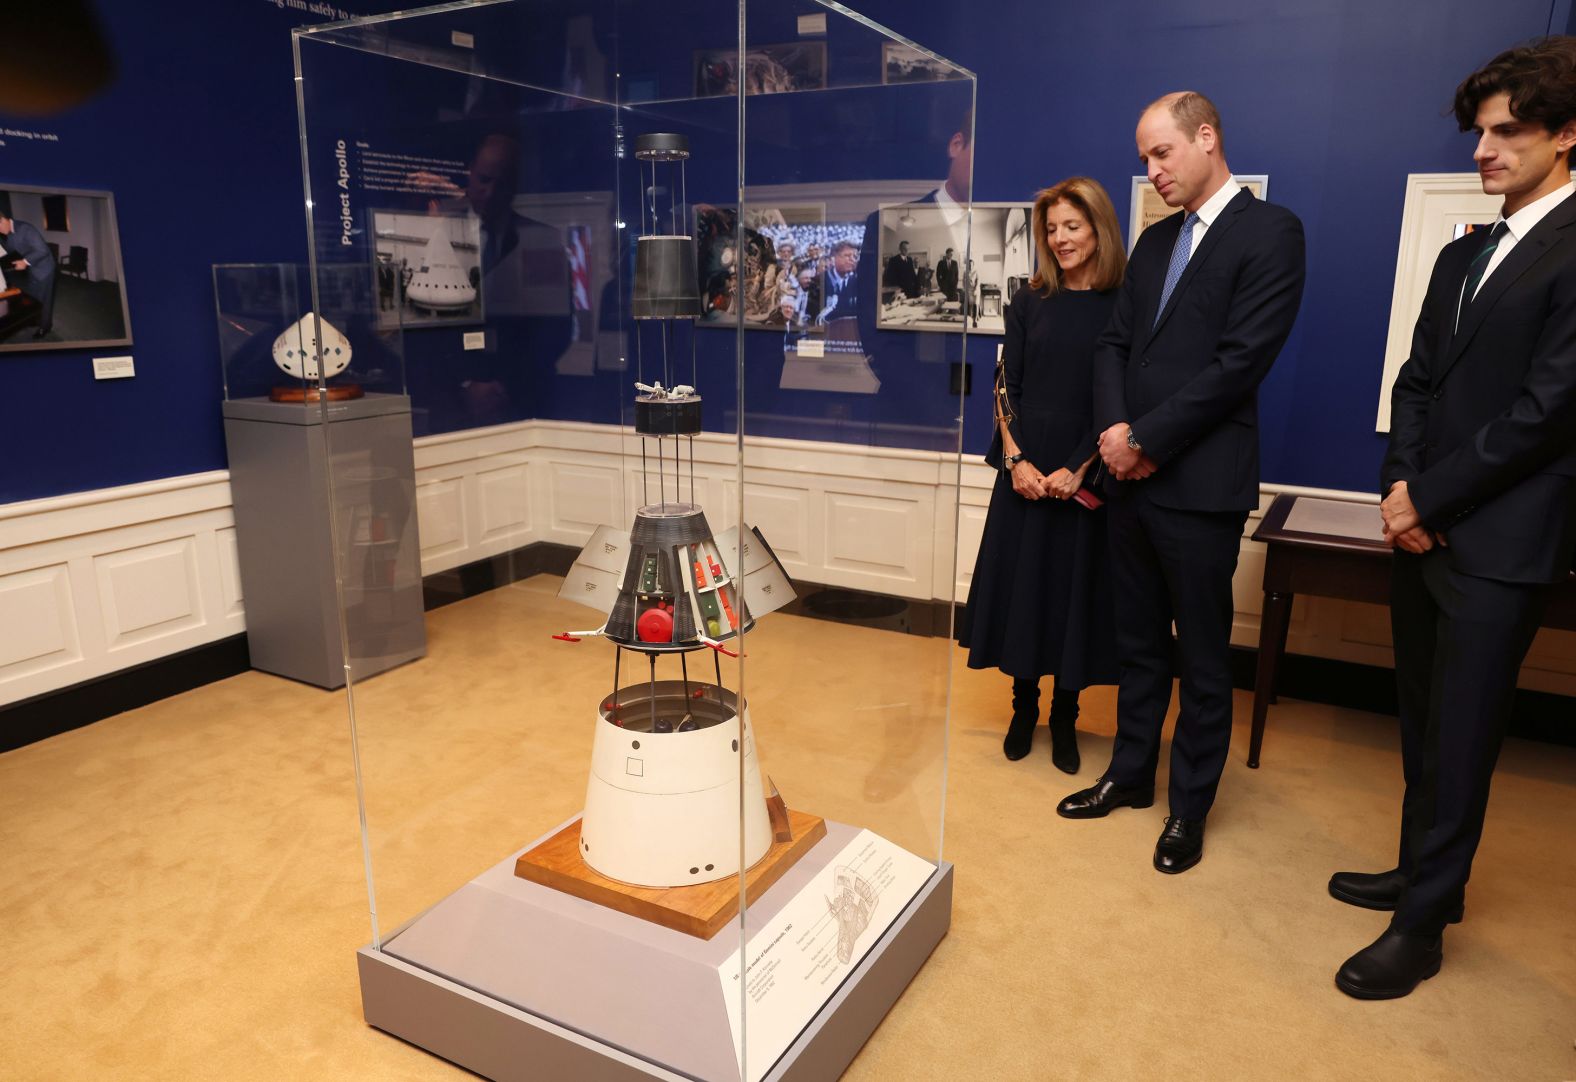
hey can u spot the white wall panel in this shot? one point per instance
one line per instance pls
(149, 592)
(504, 498)
(440, 515)
(782, 515)
(38, 629)
(971, 529)
(229, 553)
(887, 540)
(581, 497)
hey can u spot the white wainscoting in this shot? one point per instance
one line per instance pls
(96, 582)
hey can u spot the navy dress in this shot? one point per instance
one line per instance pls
(1040, 601)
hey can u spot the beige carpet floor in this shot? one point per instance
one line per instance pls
(182, 890)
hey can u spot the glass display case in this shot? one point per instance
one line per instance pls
(301, 359)
(268, 328)
(665, 797)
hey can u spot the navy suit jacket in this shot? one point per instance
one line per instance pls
(1483, 416)
(1188, 382)
(26, 241)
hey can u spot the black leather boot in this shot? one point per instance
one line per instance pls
(1391, 966)
(1064, 737)
(1025, 716)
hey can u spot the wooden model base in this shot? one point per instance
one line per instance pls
(702, 910)
(340, 392)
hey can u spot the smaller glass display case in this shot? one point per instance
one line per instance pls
(268, 328)
(294, 372)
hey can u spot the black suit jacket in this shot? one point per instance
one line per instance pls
(1188, 383)
(1483, 416)
(947, 275)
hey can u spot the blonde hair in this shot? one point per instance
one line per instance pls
(1089, 199)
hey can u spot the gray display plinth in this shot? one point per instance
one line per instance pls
(281, 455)
(509, 978)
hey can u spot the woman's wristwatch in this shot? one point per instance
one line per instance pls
(1009, 461)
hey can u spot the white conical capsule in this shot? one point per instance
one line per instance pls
(440, 282)
(296, 350)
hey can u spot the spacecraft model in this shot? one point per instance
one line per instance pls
(440, 284)
(298, 353)
(663, 801)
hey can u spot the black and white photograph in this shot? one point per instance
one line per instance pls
(768, 69)
(905, 64)
(428, 268)
(934, 278)
(61, 281)
(792, 264)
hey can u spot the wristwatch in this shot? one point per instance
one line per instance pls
(1132, 440)
(1009, 461)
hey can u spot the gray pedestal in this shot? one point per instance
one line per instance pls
(280, 458)
(514, 980)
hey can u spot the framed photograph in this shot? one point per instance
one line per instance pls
(1146, 207)
(584, 221)
(768, 69)
(428, 268)
(788, 252)
(935, 276)
(905, 64)
(1438, 208)
(61, 281)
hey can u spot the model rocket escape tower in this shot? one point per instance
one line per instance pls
(663, 801)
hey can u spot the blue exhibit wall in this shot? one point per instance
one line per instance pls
(1336, 101)
(196, 139)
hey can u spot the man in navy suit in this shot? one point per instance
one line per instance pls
(1480, 498)
(28, 254)
(1209, 298)
(841, 290)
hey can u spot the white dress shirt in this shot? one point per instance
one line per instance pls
(1211, 210)
(1519, 224)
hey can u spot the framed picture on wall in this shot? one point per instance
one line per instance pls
(428, 268)
(768, 69)
(934, 277)
(61, 281)
(1438, 208)
(787, 250)
(1146, 207)
(905, 64)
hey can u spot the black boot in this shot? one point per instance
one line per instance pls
(1025, 716)
(1064, 737)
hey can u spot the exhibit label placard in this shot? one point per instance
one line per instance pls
(799, 958)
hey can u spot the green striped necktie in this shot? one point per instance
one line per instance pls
(1479, 266)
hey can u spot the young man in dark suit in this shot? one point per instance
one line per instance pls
(1209, 299)
(1480, 498)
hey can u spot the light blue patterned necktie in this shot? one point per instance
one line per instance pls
(1179, 257)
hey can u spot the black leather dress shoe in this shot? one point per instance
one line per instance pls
(1181, 845)
(1104, 797)
(1374, 890)
(1391, 966)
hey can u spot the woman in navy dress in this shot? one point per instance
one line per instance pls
(1040, 600)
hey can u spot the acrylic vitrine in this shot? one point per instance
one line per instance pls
(665, 797)
(295, 370)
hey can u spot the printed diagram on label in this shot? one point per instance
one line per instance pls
(852, 903)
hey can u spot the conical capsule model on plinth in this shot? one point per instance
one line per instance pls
(663, 798)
